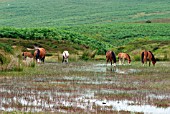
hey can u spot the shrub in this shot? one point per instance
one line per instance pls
(137, 57)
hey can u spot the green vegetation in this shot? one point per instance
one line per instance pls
(85, 26)
(50, 13)
(54, 34)
(118, 34)
(4, 51)
(120, 37)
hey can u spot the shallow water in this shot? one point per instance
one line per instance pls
(37, 101)
(56, 94)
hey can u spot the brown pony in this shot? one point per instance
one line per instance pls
(147, 55)
(122, 57)
(110, 56)
(27, 54)
(39, 54)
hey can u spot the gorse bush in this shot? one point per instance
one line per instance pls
(6, 47)
(51, 33)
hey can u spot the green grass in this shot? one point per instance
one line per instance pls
(50, 13)
(87, 25)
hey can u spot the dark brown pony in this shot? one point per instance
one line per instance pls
(147, 55)
(27, 54)
(110, 56)
(122, 57)
(39, 54)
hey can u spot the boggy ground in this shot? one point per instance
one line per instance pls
(87, 87)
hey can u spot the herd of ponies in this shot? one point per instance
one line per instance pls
(40, 53)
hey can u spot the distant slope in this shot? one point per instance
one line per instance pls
(118, 34)
(45, 13)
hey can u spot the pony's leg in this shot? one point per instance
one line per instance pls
(120, 61)
(145, 61)
(123, 61)
(107, 61)
(43, 60)
(149, 62)
(67, 60)
(63, 59)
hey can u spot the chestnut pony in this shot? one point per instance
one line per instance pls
(27, 54)
(39, 54)
(122, 57)
(110, 56)
(147, 55)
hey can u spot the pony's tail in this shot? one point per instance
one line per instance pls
(38, 54)
(142, 56)
(153, 58)
(113, 57)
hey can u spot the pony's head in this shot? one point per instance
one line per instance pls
(129, 61)
(23, 56)
(153, 59)
(153, 62)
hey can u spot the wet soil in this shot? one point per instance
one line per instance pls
(89, 87)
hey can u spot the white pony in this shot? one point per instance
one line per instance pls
(65, 56)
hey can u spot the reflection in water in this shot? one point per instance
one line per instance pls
(51, 100)
(125, 105)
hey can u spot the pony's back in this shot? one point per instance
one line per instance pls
(39, 54)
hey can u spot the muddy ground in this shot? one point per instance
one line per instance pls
(87, 87)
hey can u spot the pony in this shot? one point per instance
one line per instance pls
(122, 57)
(27, 54)
(65, 56)
(148, 55)
(110, 56)
(40, 54)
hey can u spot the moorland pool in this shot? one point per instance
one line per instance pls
(85, 87)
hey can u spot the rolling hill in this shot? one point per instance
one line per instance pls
(119, 25)
(55, 13)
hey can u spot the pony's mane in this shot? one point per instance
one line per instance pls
(142, 56)
(128, 56)
(153, 58)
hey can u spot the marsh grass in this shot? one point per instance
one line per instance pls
(73, 88)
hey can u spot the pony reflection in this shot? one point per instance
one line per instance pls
(122, 57)
(148, 55)
(65, 56)
(39, 55)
